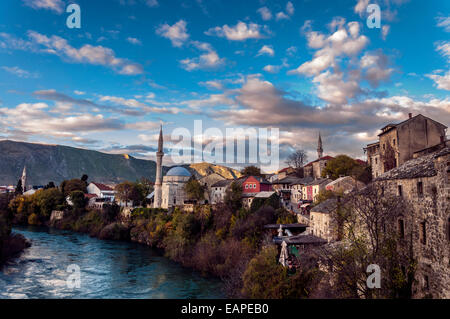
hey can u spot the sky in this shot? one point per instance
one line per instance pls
(301, 66)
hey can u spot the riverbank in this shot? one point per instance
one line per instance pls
(12, 246)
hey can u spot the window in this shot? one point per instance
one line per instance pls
(423, 233)
(426, 282)
(420, 189)
(448, 229)
(384, 146)
(401, 228)
(393, 141)
(400, 191)
(246, 186)
(254, 185)
(376, 160)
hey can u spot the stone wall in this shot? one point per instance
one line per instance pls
(428, 223)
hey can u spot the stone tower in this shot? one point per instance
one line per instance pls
(319, 147)
(24, 179)
(158, 181)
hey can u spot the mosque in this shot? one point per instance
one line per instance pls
(169, 190)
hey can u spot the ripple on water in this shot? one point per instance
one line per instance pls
(108, 270)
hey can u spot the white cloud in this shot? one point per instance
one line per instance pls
(444, 49)
(289, 12)
(361, 7)
(97, 55)
(20, 72)
(176, 33)
(342, 42)
(290, 8)
(385, 31)
(444, 22)
(240, 32)
(53, 5)
(441, 81)
(266, 14)
(208, 60)
(266, 49)
(79, 92)
(134, 41)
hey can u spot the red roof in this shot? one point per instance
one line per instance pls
(324, 158)
(284, 169)
(103, 187)
(361, 162)
(90, 195)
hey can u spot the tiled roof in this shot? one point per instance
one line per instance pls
(319, 181)
(418, 167)
(222, 183)
(326, 206)
(324, 158)
(300, 240)
(103, 187)
(293, 180)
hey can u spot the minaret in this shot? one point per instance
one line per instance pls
(158, 181)
(24, 179)
(319, 147)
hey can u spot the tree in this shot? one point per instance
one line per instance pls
(78, 199)
(84, 178)
(340, 165)
(368, 222)
(144, 187)
(233, 196)
(297, 159)
(50, 185)
(126, 192)
(19, 188)
(68, 186)
(194, 190)
(251, 171)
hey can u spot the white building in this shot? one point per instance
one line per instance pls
(173, 193)
(101, 190)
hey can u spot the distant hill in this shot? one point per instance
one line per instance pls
(56, 163)
(203, 169)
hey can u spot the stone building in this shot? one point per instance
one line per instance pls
(172, 192)
(398, 142)
(315, 168)
(424, 183)
(320, 220)
(345, 185)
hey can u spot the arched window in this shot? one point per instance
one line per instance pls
(401, 228)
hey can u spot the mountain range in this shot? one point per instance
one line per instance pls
(56, 163)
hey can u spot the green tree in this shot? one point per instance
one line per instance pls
(127, 192)
(78, 199)
(19, 188)
(68, 186)
(194, 190)
(233, 196)
(47, 200)
(251, 171)
(340, 165)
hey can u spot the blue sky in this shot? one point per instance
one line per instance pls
(300, 66)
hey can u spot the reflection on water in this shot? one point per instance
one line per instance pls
(109, 269)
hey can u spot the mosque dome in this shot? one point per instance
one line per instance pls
(178, 171)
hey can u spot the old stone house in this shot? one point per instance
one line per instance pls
(398, 142)
(424, 183)
(311, 190)
(320, 220)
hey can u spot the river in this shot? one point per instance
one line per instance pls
(108, 269)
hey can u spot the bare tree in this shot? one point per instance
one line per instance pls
(297, 159)
(368, 223)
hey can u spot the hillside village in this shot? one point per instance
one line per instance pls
(407, 191)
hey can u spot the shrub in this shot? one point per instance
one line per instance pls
(115, 231)
(33, 219)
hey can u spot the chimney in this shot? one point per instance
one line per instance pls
(410, 115)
